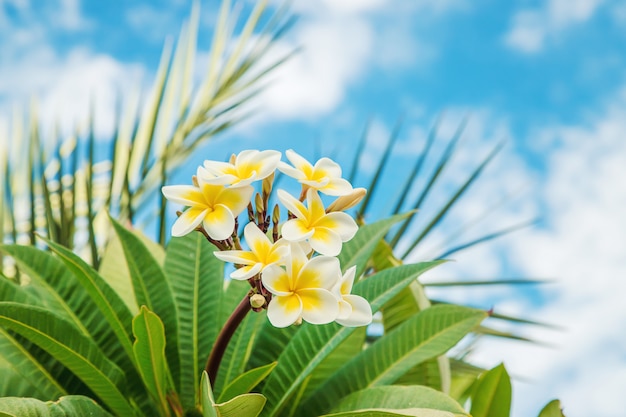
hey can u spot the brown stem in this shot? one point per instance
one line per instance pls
(235, 319)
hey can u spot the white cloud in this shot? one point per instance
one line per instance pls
(582, 247)
(341, 41)
(532, 28)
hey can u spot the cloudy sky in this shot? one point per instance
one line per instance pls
(546, 77)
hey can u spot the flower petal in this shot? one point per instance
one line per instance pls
(240, 257)
(327, 167)
(345, 309)
(319, 272)
(284, 311)
(188, 221)
(264, 162)
(246, 272)
(187, 195)
(220, 223)
(315, 206)
(347, 280)
(292, 204)
(298, 161)
(337, 187)
(319, 306)
(295, 230)
(236, 199)
(361, 312)
(291, 171)
(276, 280)
(326, 242)
(340, 223)
(258, 242)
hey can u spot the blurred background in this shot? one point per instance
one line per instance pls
(546, 79)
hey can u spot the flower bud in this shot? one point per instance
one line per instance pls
(258, 202)
(194, 180)
(267, 184)
(347, 201)
(257, 301)
(276, 214)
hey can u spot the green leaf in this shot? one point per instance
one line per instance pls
(245, 405)
(196, 278)
(312, 344)
(398, 398)
(380, 412)
(206, 397)
(492, 394)
(552, 409)
(245, 382)
(359, 249)
(22, 374)
(149, 348)
(74, 350)
(68, 406)
(116, 273)
(426, 335)
(115, 313)
(152, 290)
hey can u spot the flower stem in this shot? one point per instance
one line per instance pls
(227, 332)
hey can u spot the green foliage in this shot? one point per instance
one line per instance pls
(492, 394)
(68, 406)
(552, 409)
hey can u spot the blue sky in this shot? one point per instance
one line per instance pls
(547, 77)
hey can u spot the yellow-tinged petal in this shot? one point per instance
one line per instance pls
(361, 314)
(187, 195)
(319, 272)
(258, 242)
(276, 280)
(347, 281)
(340, 223)
(337, 187)
(246, 272)
(188, 221)
(345, 202)
(296, 230)
(319, 306)
(219, 223)
(283, 311)
(298, 161)
(236, 199)
(240, 257)
(326, 167)
(345, 309)
(315, 208)
(292, 204)
(325, 241)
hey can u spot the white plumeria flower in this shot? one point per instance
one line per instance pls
(325, 232)
(354, 310)
(215, 206)
(262, 253)
(324, 176)
(303, 289)
(248, 166)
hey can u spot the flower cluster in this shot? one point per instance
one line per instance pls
(291, 266)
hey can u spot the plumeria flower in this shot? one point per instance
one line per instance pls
(302, 290)
(325, 232)
(213, 206)
(248, 166)
(324, 176)
(354, 310)
(262, 253)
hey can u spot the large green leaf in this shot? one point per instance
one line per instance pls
(312, 344)
(492, 394)
(71, 295)
(22, 374)
(115, 314)
(245, 405)
(359, 249)
(552, 409)
(153, 290)
(381, 412)
(426, 335)
(149, 348)
(68, 406)
(196, 278)
(245, 382)
(399, 398)
(74, 350)
(116, 273)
